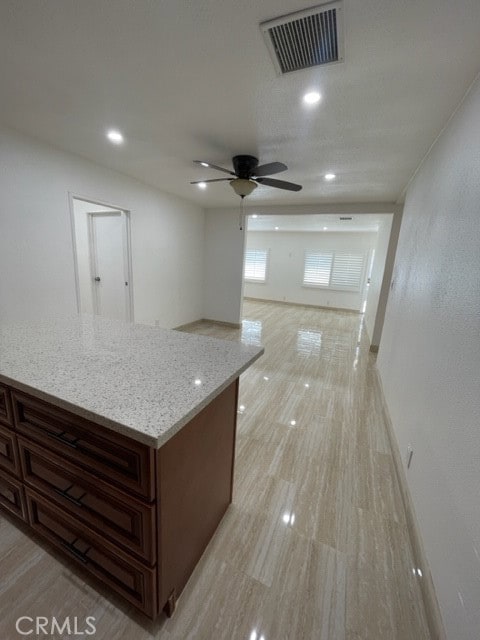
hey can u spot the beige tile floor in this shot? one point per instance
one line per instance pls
(314, 546)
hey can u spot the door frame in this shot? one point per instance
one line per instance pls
(127, 248)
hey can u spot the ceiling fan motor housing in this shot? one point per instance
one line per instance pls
(244, 166)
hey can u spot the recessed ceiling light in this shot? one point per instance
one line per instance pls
(277, 228)
(204, 164)
(312, 97)
(202, 185)
(325, 228)
(330, 176)
(254, 215)
(115, 136)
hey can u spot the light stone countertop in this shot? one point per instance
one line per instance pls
(133, 379)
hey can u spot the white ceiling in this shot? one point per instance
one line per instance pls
(192, 79)
(317, 222)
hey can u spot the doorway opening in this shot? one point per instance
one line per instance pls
(320, 260)
(102, 258)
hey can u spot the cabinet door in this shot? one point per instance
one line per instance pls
(6, 416)
(126, 576)
(120, 518)
(11, 495)
(8, 452)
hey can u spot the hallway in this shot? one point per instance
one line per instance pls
(314, 546)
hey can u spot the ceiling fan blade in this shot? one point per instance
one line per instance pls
(270, 168)
(209, 165)
(279, 184)
(214, 180)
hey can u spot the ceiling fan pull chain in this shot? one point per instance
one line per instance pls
(241, 220)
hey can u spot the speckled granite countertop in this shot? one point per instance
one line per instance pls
(138, 380)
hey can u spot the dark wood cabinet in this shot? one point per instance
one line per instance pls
(6, 416)
(129, 578)
(122, 519)
(8, 452)
(12, 495)
(134, 517)
(119, 460)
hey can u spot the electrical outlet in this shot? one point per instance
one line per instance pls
(409, 455)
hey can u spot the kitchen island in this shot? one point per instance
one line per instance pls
(117, 446)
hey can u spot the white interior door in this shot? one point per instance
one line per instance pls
(109, 264)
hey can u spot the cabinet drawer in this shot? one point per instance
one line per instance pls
(8, 452)
(12, 496)
(113, 567)
(117, 459)
(122, 519)
(6, 417)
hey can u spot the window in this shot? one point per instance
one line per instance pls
(318, 267)
(256, 265)
(334, 269)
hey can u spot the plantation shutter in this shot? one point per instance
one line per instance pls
(255, 265)
(347, 271)
(317, 269)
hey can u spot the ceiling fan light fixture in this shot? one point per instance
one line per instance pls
(243, 187)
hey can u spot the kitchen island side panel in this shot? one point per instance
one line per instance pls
(194, 488)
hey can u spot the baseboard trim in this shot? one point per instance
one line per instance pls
(430, 602)
(182, 327)
(188, 325)
(231, 325)
(301, 304)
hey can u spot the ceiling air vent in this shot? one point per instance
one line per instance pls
(306, 38)
(345, 218)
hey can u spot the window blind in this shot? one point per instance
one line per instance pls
(334, 269)
(347, 271)
(256, 265)
(318, 267)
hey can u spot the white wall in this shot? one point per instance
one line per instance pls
(286, 264)
(376, 279)
(429, 362)
(36, 251)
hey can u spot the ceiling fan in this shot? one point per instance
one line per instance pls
(248, 174)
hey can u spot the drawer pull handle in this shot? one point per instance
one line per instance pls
(59, 436)
(78, 554)
(66, 495)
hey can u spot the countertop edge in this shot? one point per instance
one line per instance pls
(154, 442)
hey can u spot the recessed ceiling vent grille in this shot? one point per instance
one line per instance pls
(306, 38)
